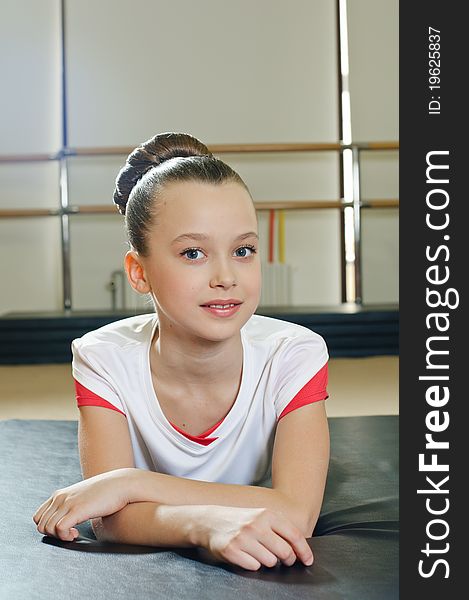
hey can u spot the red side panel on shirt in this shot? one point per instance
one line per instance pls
(86, 397)
(313, 391)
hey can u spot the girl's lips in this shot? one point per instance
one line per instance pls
(222, 301)
(222, 312)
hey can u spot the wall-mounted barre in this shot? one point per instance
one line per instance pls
(214, 148)
(104, 209)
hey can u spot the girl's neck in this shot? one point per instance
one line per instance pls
(194, 361)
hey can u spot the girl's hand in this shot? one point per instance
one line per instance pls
(98, 496)
(251, 537)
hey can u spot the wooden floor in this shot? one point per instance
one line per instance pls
(357, 386)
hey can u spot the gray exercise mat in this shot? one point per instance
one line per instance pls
(355, 542)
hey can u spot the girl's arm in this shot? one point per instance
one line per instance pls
(299, 469)
(245, 525)
(247, 537)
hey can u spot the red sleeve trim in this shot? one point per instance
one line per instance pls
(86, 397)
(313, 391)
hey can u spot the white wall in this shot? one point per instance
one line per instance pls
(30, 268)
(30, 51)
(374, 91)
(226, 72)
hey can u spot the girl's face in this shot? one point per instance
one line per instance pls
(204, 249)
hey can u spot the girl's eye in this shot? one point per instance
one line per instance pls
(191, 253)
(245, 251)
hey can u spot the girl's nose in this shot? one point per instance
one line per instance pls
(223, 275)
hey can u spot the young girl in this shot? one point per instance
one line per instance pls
(184, 412)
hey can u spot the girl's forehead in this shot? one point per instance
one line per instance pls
(188, 190)
(199, 206)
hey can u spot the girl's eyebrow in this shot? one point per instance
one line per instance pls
(203, 236)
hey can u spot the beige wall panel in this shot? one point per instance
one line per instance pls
(379, 175)
(31, 275)
(31, 86)
(91, 179)
(315, 276)
(315, 270)
(288, 176)
(374, 69)
(380, 256)
(240, 71)
(380, 228)
(98, 247)
(29, 185)
(269, 176)
(374, 90)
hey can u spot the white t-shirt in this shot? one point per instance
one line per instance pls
(279, 359)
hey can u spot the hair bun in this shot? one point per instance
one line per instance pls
(153, 152)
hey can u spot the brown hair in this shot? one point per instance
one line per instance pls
(142, 178)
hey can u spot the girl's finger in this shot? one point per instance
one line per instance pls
(65, 529)
(53, 529)
(294, 537)
(246, 561)
(262, 554)
(279, 546)
(45, 520)
(259, 553)
(38, 514)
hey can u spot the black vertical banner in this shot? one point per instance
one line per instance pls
(434, 349)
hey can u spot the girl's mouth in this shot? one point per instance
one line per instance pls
(221, 310)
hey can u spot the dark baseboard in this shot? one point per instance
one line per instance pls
(349, 331)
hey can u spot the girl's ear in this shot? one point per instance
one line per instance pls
(136, 272)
